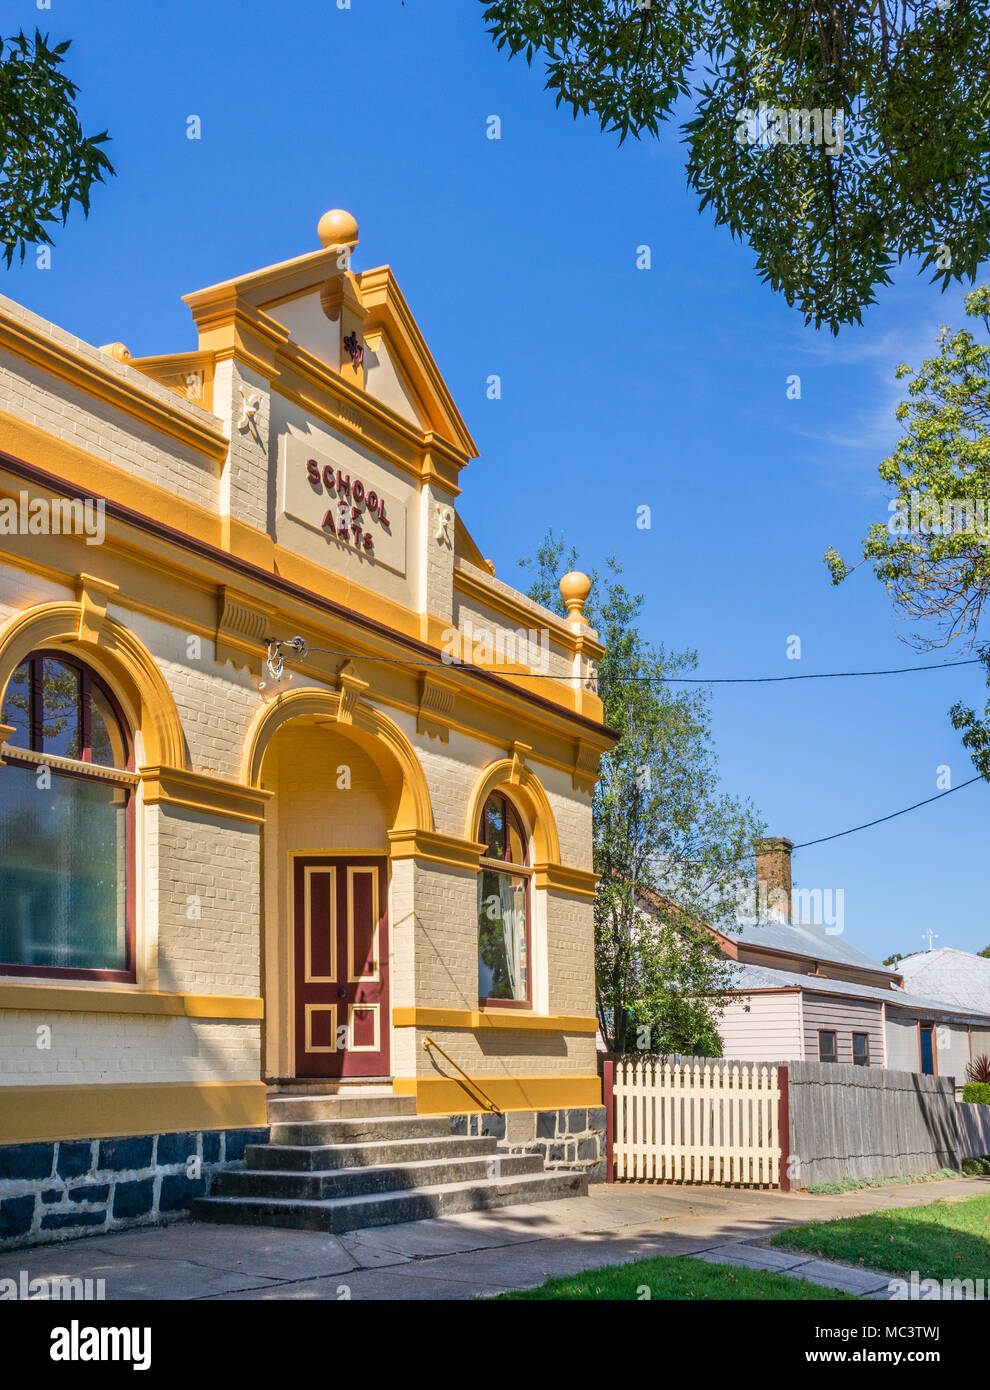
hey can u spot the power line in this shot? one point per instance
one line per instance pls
(893, 815)
(810, 676)
(627, 680)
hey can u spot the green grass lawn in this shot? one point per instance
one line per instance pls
(677, 1277)
(942, 1240)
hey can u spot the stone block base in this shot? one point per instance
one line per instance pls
(64, 1189)
(563, 1138)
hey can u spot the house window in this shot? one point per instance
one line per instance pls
(503, 906)
(861, 1049)
(66, 816)
(827, 1046)
(926, 1044)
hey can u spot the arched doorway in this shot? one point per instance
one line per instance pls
(339, 786)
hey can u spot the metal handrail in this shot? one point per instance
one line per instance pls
(489, 1103)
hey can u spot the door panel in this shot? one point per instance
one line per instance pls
(341, 976)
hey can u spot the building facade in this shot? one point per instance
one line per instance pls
(294, 791)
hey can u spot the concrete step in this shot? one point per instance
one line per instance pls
(314, 1158)
(285, 1109)
(359, 1182)
(361, 1130)
(385, 1209)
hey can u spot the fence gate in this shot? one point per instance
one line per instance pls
(697, 1122)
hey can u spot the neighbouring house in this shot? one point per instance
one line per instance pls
(804, 993)
(954, 977)
(363, 873)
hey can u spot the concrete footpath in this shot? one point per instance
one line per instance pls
(478, 1253)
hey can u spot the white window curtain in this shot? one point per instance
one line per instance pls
(513, 928)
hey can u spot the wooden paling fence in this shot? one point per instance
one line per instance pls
(697, 1122)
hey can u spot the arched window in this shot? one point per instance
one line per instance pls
(66, 825)
(503, 906)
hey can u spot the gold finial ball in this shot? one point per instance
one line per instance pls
(337, 228)
(574, 589)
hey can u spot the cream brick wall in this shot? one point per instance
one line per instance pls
(216, 704)
(92, 1048)
(571, 952)
(42, 400)
(507, 1053)
(213, 867)
(244, 483)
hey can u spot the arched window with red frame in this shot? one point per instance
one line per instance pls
(504, 949)
(66, 825)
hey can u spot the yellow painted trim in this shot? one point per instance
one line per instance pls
(39, 1114)
(172, 371)
(559, 878)
(432, 848)
(523, 788)
(94, 475)
(388, 312)
(108, 385)
(96, 999)
(443, 1096)
(367, 726)
(212, 796)
(491, 710)
(114, 651)
(505, 1020)
(518, 615)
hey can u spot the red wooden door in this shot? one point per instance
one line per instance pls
(341, 935)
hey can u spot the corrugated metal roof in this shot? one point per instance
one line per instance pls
(762, 977)
(955, 976)
(808, 939)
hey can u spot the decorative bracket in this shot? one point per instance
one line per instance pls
(352, 687)
(584, 773)
(93, 595)
(242, 623)
(519, 753)
(436, 702)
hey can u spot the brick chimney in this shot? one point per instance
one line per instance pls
(773, 868)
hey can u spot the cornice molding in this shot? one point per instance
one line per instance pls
(108, 385)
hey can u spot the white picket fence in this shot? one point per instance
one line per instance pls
(697, 1122)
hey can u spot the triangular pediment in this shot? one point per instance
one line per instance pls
(307, 302)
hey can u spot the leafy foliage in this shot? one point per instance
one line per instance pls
(46, 163)
(979, 1069)
(976, 1093)
(911, 80)
(933, 556)
(662, 830)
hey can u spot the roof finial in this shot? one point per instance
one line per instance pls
(337, 228)
(574, 590)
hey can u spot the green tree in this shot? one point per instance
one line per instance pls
(664, 833)
(892, 960)
(933, 553)
(985, 953)
(46, 163)
(827, 221)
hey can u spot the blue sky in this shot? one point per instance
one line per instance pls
(620, 387)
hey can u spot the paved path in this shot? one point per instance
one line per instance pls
(478, 1253)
